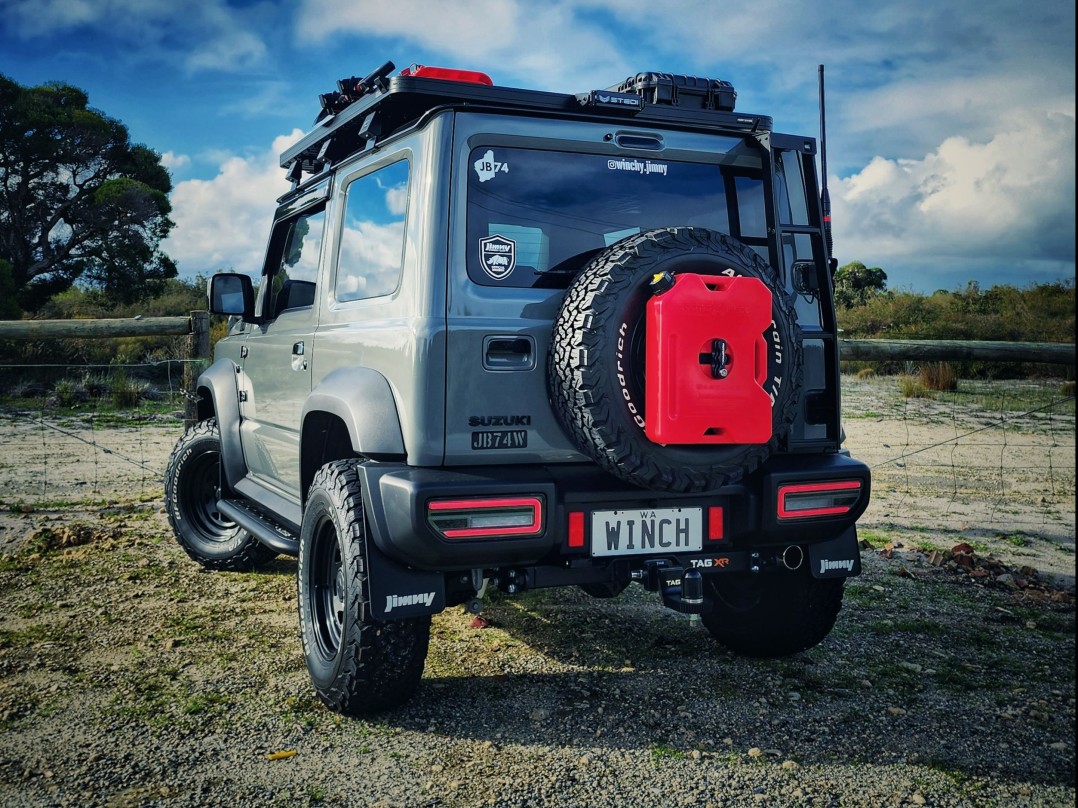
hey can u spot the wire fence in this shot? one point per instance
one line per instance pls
(78, 434)
(991, 455)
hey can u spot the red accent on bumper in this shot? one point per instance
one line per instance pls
(715, 527)
(576, 529)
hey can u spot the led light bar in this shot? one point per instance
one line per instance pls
(495, 517)
(807, 500)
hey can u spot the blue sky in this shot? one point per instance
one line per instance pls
(951, 126)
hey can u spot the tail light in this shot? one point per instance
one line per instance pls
(495, 517)
(806, 500)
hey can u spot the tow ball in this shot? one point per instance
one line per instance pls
(681, 590)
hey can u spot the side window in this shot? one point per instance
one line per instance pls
(372, 234)
(291, 270)
(750, 207)
(790, 189)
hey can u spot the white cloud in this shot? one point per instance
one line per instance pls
(1008, 199)
(173, 161)
(205, 35)
(223, 223)
(536, 44)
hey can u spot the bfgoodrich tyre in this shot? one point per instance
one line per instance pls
(596, 366)
(358, 665)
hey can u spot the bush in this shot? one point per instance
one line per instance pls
(124, 391)
(939, 376)
(911, 387)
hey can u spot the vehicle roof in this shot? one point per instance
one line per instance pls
(404, 100)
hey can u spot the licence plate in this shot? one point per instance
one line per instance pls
(663, 530)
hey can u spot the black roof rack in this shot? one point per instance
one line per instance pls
(365, 111)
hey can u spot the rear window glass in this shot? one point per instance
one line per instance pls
(536, 217)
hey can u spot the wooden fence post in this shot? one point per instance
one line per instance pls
(198, 347)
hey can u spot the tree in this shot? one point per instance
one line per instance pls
(855, 284)
(8, 308)
(78, 201)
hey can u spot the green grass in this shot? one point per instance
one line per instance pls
(1015, 539)
(874, 538)
(1015, 396)
(664, 751)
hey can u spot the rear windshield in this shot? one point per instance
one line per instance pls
(536, 217)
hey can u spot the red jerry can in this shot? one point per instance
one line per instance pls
(707, 362)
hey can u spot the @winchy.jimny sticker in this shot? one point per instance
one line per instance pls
(498, 255)
(487, 167)
(638, 166)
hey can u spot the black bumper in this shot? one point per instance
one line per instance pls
(398, 497)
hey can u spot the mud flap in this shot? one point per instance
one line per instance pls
(836, 558)
(398, 592)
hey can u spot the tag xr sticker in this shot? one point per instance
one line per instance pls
(498, 255)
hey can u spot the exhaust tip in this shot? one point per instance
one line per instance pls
(793, 557)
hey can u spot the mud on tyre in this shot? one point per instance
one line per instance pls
(596, 364)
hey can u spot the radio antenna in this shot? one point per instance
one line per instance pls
(825, 197)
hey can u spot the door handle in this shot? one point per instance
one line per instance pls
(299, 361)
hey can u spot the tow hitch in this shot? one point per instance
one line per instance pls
(682, 590)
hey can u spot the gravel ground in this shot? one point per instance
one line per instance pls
(130, 677)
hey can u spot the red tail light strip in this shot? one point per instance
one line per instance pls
(490, 508)
(845, 496)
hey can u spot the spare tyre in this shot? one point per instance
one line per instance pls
(596, 367)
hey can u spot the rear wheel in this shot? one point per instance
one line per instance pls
(357, 665)
(192, 490)
(772, 614)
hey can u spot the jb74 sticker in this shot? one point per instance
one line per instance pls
(487, 168)
(498, 256)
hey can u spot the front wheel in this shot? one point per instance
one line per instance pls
(772, 614)
(358, 665)
(192, 489)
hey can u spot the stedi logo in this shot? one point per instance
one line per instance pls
(844, 564)
(393, 601)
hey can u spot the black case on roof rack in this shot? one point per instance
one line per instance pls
(688, 92)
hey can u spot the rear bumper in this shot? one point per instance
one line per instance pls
(742, 517)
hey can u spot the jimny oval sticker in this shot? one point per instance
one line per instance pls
(498, 256)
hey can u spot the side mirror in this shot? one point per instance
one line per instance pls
(233, 294)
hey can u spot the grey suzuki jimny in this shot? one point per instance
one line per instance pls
(525, 339)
